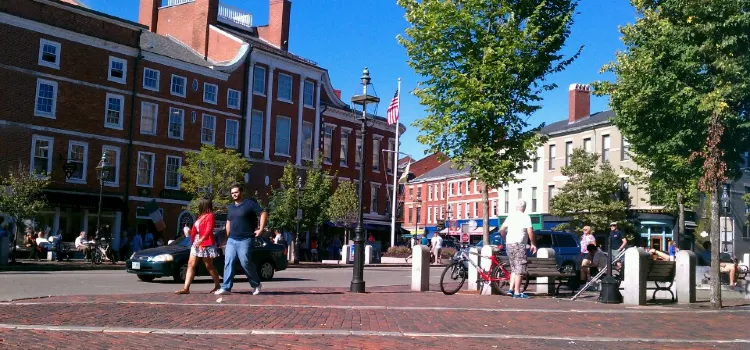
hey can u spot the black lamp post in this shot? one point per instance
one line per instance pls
(358, 283)
(102, 170)
(299, 214)
(725, 203)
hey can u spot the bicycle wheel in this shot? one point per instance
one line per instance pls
(500, 278)
(453, 278)
(97, 257)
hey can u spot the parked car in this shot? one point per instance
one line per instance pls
(566, 245)
(171, 260)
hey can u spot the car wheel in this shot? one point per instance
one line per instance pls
(568, 268)
(146, 278)
(180, 275)
(266, 271)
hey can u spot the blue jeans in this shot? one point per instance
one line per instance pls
(241, 249)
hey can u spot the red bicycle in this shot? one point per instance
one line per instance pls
(454, 276)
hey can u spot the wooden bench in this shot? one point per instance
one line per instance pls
(663, 272)
(542, 267)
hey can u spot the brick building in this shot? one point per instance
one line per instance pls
(190, 73)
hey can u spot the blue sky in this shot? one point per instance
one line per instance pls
(344, 36)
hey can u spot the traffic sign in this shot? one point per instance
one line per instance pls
(464, 238)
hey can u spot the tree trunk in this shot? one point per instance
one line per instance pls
(293, 248)
(715, 243)
(680, 232)
(485, 215)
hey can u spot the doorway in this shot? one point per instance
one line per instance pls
(656, 243)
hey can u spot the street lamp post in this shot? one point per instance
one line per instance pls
(102, 170)
(727, 211)
(358, 283)
(299, 215)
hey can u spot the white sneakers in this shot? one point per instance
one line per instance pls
(257, 289)
(226, 292)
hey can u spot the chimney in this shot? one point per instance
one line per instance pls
(579, 102)
(205, 13)
(337, 92)
(148, 13)
(277, 32)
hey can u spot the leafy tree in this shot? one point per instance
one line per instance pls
(691, 58)
(591, 195)
(343, 208)
(21, 196)
(211, 173)
(484, 64)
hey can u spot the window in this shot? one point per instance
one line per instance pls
(533, 199)
(114, 114)
(587, 145)
(328, 144)
(429, 215)
(78, 156)
(494, 208)
(411, 211)
(284, 88)
(151, 79)
(375, 154)
(149, 112)
(419, 214)
(208, 129)
(308, 95)
(176, 123)
(118, 69)
(210, 93)
(429, 192)
(49, 54)
(283, 129)
(358, 151)
(233, 99)
(551, 157)
(605, 148)
(145, 176)
(625, 149)
(476, 209)
(450, 186)
(178, 85)
(535, 161)
(390, 155)
(460, 187)
(387, 205)
(543, 240)
(568, 152)
(231, 133)
(419, 192)
(256, 130)
(458, 210)
(550, 194)
(520, 193)
(259, 80)
(565, 241)
(344, 156)
(507, 199)
(46, 98)
(41, 154)
(172, 174)
(113, 160)
(442, 212)
(374, 197)
(307, 140)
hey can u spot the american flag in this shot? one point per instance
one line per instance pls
(393, 110)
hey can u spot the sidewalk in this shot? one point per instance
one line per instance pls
(72, 265)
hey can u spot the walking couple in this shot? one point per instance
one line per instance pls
(242, 220)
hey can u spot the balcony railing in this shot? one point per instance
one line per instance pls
(177, 2)
(235, 15)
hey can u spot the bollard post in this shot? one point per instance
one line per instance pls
(420, 268)
(368, 254)
(345, 254)
(545, 285)
(4, 250)
(487, 252)
(473, 273)
(684, 278)
(636, 272)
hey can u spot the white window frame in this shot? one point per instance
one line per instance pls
(213, 137)
(172, 85)
(182, 124)
(158, 79)
(53, 113)
(552, 154)
(216, 93)
(116, 183)
(288, 137)
(606, 139)
(56, 64)
(239, 98)
(117, 126)
(85, 165)
(307, 154)
(124, 78)
(156, 118)
(376, 152)
(568, 152)
(587, 145)
(429, 215)
(326, 135)
(256, 114)
(374, 188)
(138, 166)
(236, 134)
(344, 161)
(262, 86)
(291, 88)
(307, 83)
(179, 176)
(624, 150)
(51, 141)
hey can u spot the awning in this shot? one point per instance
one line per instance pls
(476, 232)
(690, 224)
(83, 201)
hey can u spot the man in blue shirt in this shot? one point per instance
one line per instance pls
(618, 243)
(242, 227)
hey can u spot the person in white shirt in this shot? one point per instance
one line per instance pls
(437, 247)
(81, 245)
(516, 231)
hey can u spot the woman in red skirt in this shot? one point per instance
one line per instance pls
(204, 246)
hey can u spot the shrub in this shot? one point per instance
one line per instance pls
(398, 252)
(447, 253)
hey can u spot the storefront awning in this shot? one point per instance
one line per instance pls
(478, 231)
(83, 201)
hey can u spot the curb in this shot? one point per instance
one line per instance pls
(60, 267)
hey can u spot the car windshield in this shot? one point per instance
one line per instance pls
(183, 241)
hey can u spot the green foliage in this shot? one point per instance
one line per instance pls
(211, 173)
(284, 202)
(316, 196)
(343, 208)
(313, 200)
(484, 64)
(21, 194)
(591, 195)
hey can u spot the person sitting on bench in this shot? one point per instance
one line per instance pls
(657, 254)
(729, 268)
(595, 260)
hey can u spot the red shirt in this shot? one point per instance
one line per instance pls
(204, 228)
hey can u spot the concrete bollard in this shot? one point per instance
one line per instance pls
(746, 259)
(420, 268)
(368, 254)
(636, 272)
(486, 264)
(684, 278)
(545, 285)
(4, 250)
(473, 273)
(345, 254)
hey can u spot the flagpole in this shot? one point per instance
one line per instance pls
(395, 174)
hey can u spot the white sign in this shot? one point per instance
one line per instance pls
(472, 225)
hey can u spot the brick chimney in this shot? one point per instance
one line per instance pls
(277, 30)
(579, 102)
(148, 13)
(337, 92)
(205, 13)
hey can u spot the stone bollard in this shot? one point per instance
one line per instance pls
(684, 278)
(345, 254)
(636, 271)
(473, 273)
(368, 254)
(545, 285)
(746, 260)
(4, 250)
(486, 264)
(420, 268)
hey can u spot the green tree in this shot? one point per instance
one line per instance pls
(591, 196)
(484, 64)
(284, 201)
(690, 60)
(343, 208)
(211, 173)
(21, 196)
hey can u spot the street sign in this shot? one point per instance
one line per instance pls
(464, 238)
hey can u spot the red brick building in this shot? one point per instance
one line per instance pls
(190, 73)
